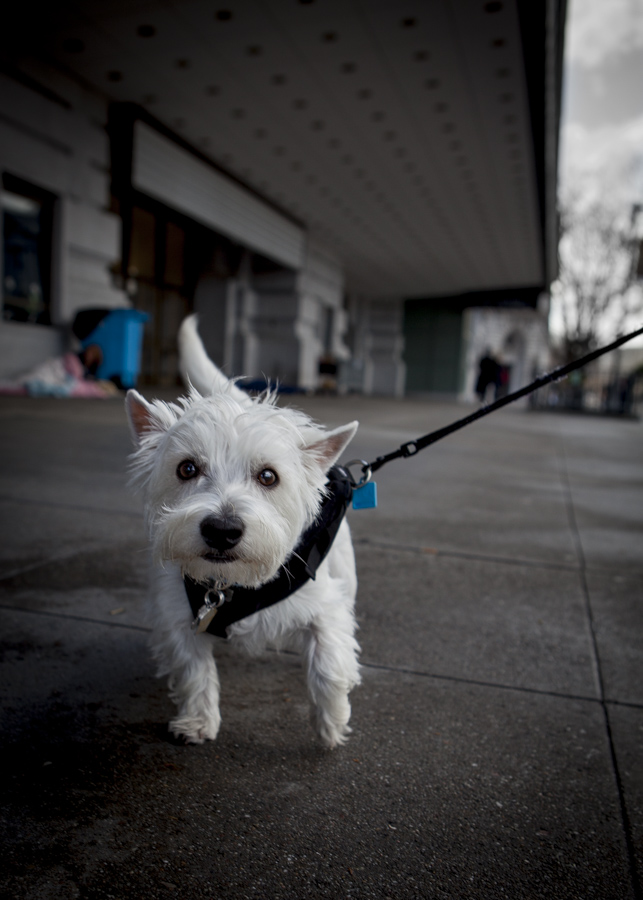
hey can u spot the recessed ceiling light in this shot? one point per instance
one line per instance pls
(182, 63)
(421, 55)
(223, 15)
(254, 50)
(146, 31)
(409, 23)
(329, 36)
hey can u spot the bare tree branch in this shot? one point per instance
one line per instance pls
(597, 286)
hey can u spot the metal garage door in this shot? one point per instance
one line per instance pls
(433, 348)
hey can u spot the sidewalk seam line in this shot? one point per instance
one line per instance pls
(403, 670)
(73, 617)
(479, 557)
(582, 573)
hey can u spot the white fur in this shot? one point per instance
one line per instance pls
(232, 438)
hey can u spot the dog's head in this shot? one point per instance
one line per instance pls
(229, 486)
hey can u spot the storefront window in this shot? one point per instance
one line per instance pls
(26, 252)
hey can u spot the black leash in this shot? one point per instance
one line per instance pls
(211, 604)
(410, 448)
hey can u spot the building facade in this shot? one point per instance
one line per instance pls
(322, 193)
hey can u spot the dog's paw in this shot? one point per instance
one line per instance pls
(331, 733)
(194, 729)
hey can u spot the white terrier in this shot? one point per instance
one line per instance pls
(231, 485)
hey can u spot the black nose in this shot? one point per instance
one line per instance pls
(222, 532)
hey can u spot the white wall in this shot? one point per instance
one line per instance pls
(65, 151)
(516, 337)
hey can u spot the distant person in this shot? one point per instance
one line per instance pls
(488, 374)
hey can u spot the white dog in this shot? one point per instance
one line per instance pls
(231, 485)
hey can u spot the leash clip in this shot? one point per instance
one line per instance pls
(366, 472)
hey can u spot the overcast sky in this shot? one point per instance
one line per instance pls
(602, 123)
(601, 149)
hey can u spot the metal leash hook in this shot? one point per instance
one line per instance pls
(366, 472)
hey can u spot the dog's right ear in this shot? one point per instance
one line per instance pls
(142, 416)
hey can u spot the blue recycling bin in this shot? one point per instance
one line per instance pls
(120, 336)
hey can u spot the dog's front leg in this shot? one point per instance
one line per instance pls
(188, 659)
(330, 658)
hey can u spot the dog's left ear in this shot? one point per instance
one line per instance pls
(142, 416)
(327, 450)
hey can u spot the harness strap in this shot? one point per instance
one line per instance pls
(301, 566)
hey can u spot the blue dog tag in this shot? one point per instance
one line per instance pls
(365, 497)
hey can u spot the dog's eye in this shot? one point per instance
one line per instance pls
(187, 470)
(267, 477)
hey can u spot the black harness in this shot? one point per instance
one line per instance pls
(302, 565)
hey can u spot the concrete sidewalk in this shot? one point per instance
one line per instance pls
(498, 732)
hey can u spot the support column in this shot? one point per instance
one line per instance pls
(378, 346)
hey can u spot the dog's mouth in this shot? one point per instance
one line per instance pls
(220, 557)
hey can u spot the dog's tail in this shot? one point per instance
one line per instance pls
(196, 366)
